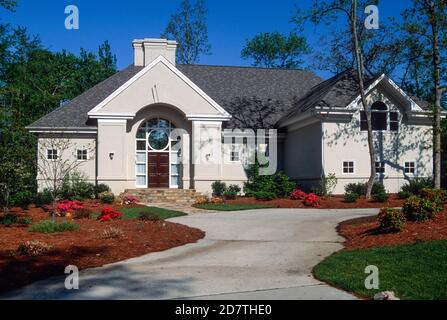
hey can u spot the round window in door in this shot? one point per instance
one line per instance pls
(158, 140)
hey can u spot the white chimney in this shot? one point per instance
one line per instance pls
(147, 50)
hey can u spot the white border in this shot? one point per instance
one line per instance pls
(343, 167)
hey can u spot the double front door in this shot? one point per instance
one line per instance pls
(158, 167)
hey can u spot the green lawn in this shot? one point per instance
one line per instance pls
(413, 272)
(231, 206)
(133, 213)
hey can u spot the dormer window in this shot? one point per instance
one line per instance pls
(381, 118)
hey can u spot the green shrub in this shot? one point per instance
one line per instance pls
(148, 216)
(360, 188)
(403, 195)
(33, 248)
(43, 198)
(418, 209)
(22, 199)
(436, 195)
(264, 195)
(351, 197)
(49, 226)
(107, 197)
(232, 192)
(326, 186)
(381, 197)
(392, 220)
(101, 188)
(278, 184)
(219, 188)
(76, 187)
(415, 186)
(10, 219)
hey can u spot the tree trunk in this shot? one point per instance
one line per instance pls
(360, 75)
(438, 96)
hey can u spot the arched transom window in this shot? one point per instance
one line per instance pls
(382, 119)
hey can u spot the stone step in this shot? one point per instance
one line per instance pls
(164, 195)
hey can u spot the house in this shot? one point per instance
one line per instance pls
(160, 125)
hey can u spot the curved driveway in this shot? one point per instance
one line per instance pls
(261, 254)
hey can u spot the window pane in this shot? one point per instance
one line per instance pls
(394, 121)
(141, 145)
(141, 157)
(363, 121)
(174, 169)
(175, 181)
(394, 116)
(174, 158)
(153, 123)
(141, 134)
(141, 181)
(378, 121)
(141, 169)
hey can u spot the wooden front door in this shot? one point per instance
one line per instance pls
(158, 165)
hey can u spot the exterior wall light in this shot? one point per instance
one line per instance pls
(112, 155)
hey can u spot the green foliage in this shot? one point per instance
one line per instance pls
(392, 220)
(415, 186)
(351, 197)
(419, 210)
(22, 199)
(33, 248)
(326, 186)
(264, 195)
(360, 189)
(134, 213)
(43, 198)
(76, 187)
(188, 27)
(268, 186)
(107, 197)
(219, 188)
(380, 196)
(11, 219)
(438, 196)
(403, 195)
(275, 50)
(232, 192)
(50, 226)
(101, 188)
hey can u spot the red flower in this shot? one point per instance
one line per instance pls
(312, 200)
(298, 195)
(108, 214)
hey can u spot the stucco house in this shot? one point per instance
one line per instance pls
(130, 117)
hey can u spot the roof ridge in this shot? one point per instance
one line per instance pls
(243, 67)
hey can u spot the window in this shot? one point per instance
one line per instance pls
(410, 167)
(234, 156)
(394, 121)
(82, 155)
(380, 167)
(348, 167)
(52, 154)
(380, 117)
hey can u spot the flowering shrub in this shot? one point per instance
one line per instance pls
(312, 200)
(392, 220)
(108, 214)
(129, 199)
(33, 248)
(107, 197)
(298, 195)
(418, 209)
(65, 206)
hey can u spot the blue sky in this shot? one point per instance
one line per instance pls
(230, 23)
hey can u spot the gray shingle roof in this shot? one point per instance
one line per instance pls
(260, 95)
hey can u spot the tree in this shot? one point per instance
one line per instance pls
(274, 50)
(188, 27)
(55, 169)
(8, 4)
(353, 44)
(425, 30)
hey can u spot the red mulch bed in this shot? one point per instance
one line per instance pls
(364, 233)
(336, 202)
(84, 248)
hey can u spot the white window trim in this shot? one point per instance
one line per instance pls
(82, 160)
(343, 168)
(415, 167)
(57, 154)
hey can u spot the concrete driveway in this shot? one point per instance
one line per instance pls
(261, 254)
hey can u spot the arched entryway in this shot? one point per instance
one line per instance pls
(157, 159)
